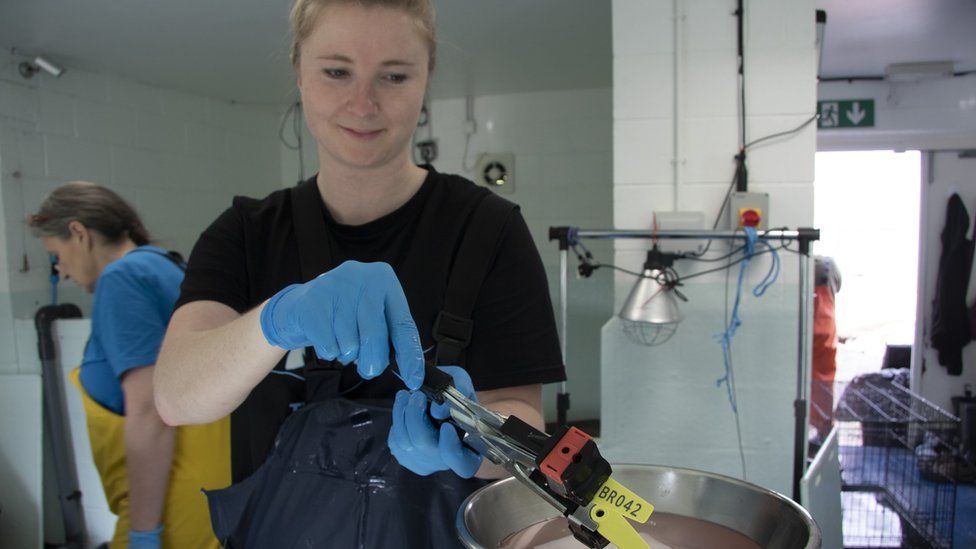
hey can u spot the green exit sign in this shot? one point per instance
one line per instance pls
(846, 113)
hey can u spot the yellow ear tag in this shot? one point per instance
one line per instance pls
(614, 504)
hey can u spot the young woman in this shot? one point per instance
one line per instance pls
(344, 469)
(151, 472)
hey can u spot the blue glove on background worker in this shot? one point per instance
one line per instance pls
(145, 540)
(349, 314)
(420, 446)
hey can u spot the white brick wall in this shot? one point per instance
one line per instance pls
(176, 157)
(780, 90)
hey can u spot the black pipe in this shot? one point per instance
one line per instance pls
(56, 423)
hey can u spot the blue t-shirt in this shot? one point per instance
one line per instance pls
(134, 298)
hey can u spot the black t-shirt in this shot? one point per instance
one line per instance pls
(250, 252)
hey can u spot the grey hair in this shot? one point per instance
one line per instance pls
(94, 206)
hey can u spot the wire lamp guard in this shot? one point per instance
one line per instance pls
(650, 315)
(650, 304)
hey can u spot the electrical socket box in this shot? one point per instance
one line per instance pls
(749, 210)
(680, 221)
(496, 171)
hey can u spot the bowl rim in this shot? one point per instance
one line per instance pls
(465, 536)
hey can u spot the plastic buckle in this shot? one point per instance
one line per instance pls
(453, 328)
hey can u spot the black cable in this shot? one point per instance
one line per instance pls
(740, 14)
(297, 126)
(281, 127)
(695, 257)
(788, 132)
(731, 264)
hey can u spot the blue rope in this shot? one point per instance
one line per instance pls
(725, 338)
(54, 279)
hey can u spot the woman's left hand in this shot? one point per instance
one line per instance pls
(423, 448)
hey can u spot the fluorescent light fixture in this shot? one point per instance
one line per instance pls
(913, 72)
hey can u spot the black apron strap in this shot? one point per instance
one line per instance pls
(316, 256)
(453, 326)
(314, 249)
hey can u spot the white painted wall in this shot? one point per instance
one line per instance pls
(661, 404)
(944, 174)
(176, 157)
(562, 141)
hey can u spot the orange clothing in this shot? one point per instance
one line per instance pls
(824, 335)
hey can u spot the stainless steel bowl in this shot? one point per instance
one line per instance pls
(492, 514)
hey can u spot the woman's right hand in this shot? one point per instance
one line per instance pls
(349, 314)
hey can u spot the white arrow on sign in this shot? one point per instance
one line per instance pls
(855, 115)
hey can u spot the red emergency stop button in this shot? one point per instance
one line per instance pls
(750, 217)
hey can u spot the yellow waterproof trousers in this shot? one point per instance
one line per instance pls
(201, 459)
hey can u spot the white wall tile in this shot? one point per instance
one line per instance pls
(192, 108)
(634, 205)
(709, 84)
(789, 158)
(640, 26)
(202, 173)
(160, 133)
(21, 151)
(28, 358)
(166, 213)
(69, 158)
(56, 114)
(773, 24)
(592, 168)
(781, 81)
(139, 167)
(263, 150)
(204, 140)
(790, 204)
(127, 94)
(104, 123)
(704, 197)
(642, 150)
(642, 86)
(20, 460)
(17, 102)
(243, 119)
(710, 25)
(78, 83)
(710, 145)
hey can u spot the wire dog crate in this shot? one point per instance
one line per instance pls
(898, 454)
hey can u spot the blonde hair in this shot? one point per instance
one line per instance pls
(305, 13)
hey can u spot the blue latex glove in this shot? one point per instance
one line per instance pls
(423, 448)
(350, 314)
(145, 540)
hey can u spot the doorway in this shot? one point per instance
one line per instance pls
(867, 206)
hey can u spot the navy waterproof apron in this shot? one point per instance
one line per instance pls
(330, 480)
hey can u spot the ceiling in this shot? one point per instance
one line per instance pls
(237, 49)
(863, 36)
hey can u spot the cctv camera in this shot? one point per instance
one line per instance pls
(41, 63)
